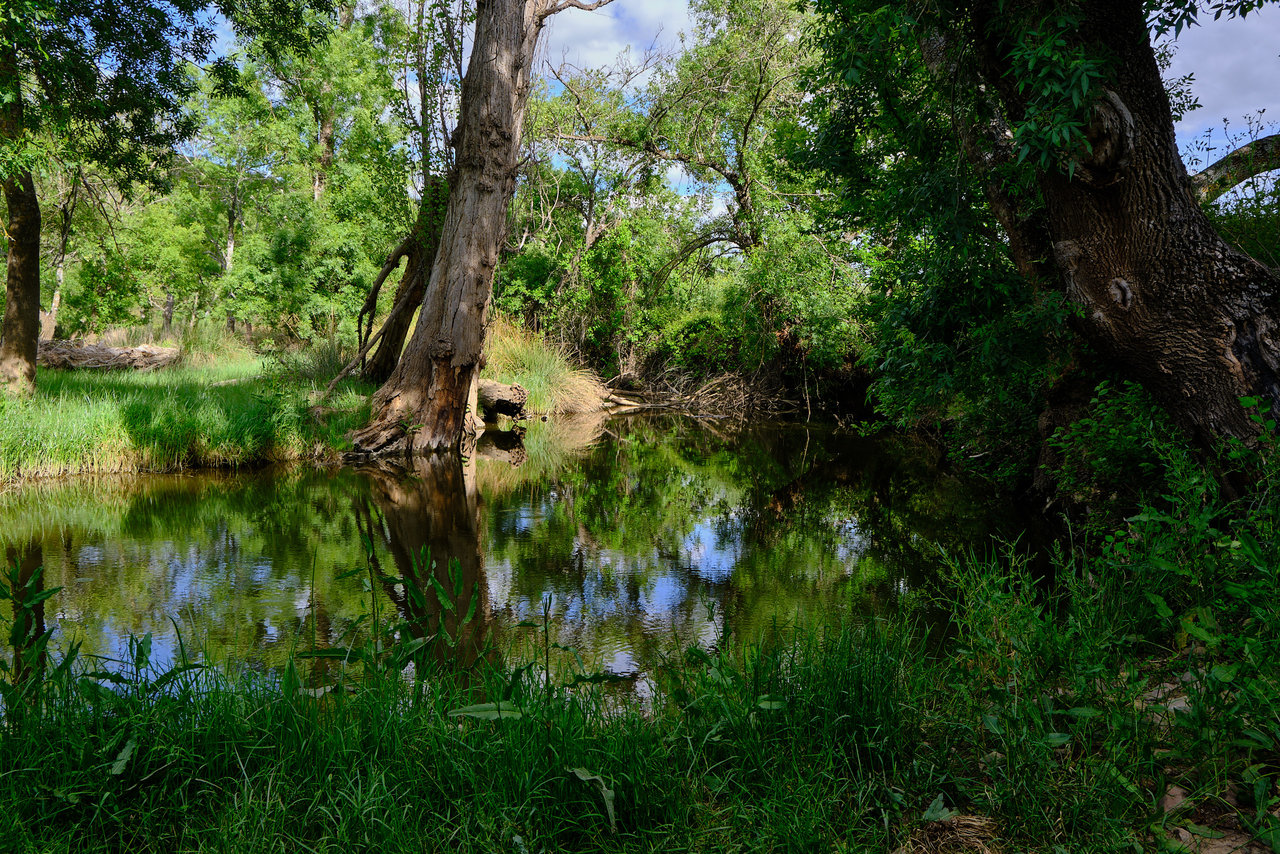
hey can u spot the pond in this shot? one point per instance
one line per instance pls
(635, 536)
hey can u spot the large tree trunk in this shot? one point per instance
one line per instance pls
(424, 405)
(21, 327)
(413, 284)
(1164, 297)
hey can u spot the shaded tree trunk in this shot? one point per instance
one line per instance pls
(66, 214)
(21, 327)
(167, 328)
(425, 404)
(413, 284)
(325, 141)
(1165, 299)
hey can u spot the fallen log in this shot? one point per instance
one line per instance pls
(498, 399)
(74, 355)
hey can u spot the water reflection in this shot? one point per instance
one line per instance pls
(430, 525)
(638, 535)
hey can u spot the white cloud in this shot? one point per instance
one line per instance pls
(595, 39)
(1236, 66)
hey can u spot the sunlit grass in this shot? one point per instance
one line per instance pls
(212, 410)
(515, 355)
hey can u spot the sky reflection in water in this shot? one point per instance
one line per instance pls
(643, 535)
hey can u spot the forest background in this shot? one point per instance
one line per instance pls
(682, 213)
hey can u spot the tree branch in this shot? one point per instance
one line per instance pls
(371, 301)
(571, 4)
(1247, 161)
(732, 178)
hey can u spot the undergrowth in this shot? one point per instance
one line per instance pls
(1120, 697)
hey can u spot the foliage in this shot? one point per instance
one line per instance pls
(1121, 450)
(73, 54)
(104, 293)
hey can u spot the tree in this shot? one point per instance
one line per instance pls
(424, 405)
(1060, 112)
(110, 79)
(716, 109)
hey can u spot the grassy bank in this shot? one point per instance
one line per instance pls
(1132, 704)
(555, 386)
(229, 409)
(225, 405)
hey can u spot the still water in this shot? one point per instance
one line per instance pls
(637, 536)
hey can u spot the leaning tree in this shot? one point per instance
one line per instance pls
(424, 405)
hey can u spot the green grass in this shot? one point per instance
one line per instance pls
(725, 758)
(555, 386)
(1030, 732)
(215, 410)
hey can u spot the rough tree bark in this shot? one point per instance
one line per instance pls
(1165, 299)
(21, 326)
(424, 405)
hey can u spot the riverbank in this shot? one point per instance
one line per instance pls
(210, 412)
(1134, 705)
(229, 407)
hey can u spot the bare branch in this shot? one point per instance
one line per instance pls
(571, 4)
(730, 176)
(1247, 161)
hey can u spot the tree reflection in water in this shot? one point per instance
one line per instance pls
(430, 526)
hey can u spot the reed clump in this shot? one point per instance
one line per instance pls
(515, 355)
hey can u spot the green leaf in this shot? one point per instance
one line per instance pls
(1225, 672)
(446, 601)
(770, 702)
(173, 673)
(1056, 739)
(142, 652)
(1163, 611)
(1082, 712)
(123, 757)
(606, 793)
(936, 811)
(489, 712)
(1201, 830)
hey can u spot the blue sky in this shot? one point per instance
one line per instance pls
(1237, 69)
